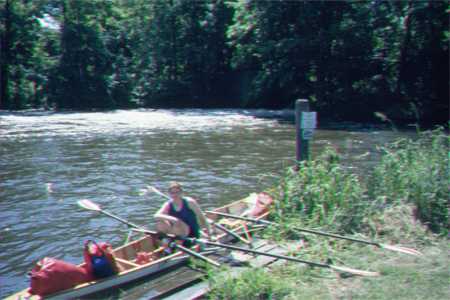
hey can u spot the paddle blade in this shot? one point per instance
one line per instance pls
(354, 271)
(401, 249)
(88, 204)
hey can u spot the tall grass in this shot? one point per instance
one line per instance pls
(322, 193)
(416, 172)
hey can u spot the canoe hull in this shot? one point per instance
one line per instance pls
(121, 279)
(131, 270)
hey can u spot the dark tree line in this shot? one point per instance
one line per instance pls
(350, 58)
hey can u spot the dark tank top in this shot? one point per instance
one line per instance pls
(187, 216)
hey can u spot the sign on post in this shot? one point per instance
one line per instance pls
(305, 123)
(309, 120)
(309, 123)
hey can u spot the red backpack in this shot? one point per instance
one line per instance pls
(99, 259)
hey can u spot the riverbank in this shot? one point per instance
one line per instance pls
(403, 201)
(401, 276)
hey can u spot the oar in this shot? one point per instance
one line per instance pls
(87, 204)
(195, 254)
(218, 226)
(383, 246)
(289, 258)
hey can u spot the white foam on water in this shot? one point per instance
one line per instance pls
(142, 121)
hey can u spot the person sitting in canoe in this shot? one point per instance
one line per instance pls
(181, 216)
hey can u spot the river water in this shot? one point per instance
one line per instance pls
(49, 161)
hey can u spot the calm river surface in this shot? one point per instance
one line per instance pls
(49, 161)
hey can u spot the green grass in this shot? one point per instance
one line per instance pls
(403, 202)
(251, 284)
(405, 277)
(402, 276)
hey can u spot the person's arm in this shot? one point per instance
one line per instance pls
(163, 214)
(203, 222)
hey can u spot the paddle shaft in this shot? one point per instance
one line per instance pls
(289, 258)
(196, 255)
(120, 219)
(241, 218)
(231, 247)
(296, 228)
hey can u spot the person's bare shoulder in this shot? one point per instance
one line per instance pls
(192, 202)
(190, 199)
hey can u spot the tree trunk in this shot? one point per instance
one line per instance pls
(439, 71)
(403, 56)
(173, 44)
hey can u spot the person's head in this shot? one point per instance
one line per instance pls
(175, 188)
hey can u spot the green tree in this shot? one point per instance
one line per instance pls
(411, 51)
(349, 58)
(19, 31)
(115, 32)
(296, 49)
(185, 53)
(81, 78)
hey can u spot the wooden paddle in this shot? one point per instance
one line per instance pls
(218, 226)
(87, 204)
(289, 258)
(383, 246)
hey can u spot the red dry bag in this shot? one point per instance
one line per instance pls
(51, 275)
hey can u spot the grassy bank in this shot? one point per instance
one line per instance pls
(404, 201)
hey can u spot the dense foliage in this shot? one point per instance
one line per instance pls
(349, 58)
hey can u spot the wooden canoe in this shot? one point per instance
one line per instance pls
(127, 255)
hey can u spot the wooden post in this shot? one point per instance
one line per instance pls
(302, 145)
